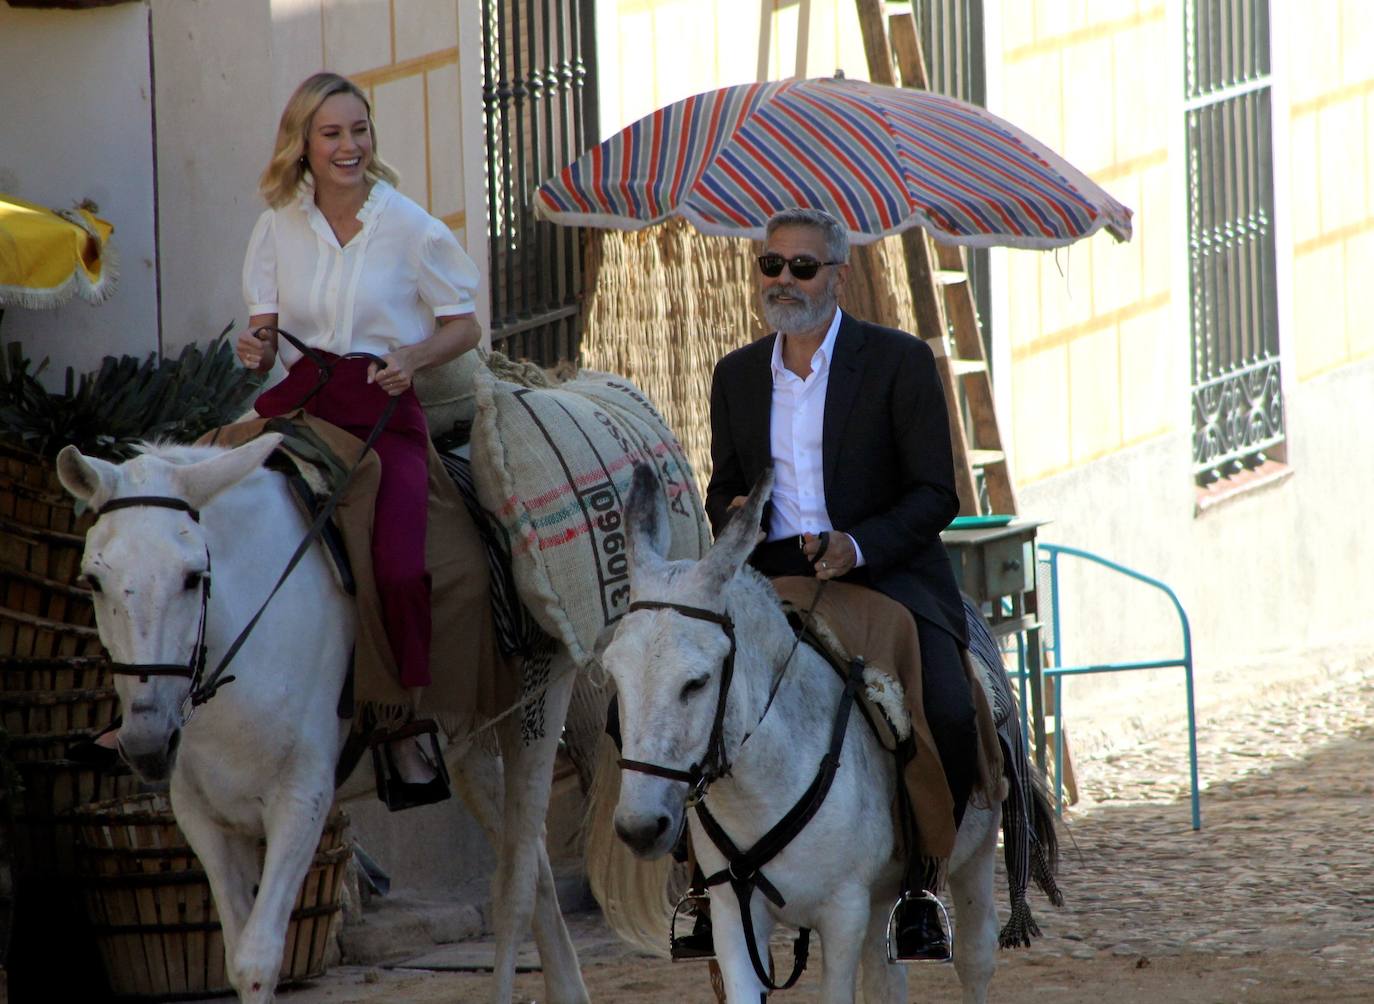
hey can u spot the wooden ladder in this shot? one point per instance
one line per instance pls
(942, 296)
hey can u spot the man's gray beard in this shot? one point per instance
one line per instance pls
(811, 313)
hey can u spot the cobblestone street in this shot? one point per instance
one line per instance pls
(1282, 863)
(1272, 901)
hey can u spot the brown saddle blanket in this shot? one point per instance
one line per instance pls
(486, 682)
(853, 621)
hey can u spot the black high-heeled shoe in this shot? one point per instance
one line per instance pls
(398, 794)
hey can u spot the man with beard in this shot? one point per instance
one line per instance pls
(852, 418)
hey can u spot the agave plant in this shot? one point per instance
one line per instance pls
(107, 411)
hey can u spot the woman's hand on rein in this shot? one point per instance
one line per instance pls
(395, 378)
(256, 353)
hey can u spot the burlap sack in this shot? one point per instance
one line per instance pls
(554, 466)
(445, 393)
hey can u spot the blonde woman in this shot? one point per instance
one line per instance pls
(346, 263)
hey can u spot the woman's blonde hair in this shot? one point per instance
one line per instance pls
(287, 167)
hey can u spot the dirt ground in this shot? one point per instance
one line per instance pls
(1271, 901)
(1267, 978)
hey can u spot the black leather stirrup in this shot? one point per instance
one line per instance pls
(395, 792)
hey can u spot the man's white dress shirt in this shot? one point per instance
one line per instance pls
(795, 430)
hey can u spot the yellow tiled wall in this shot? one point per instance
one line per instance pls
(654, 52)
(1093, 358)
(404, 54)
(1331, 155)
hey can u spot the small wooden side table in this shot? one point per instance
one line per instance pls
(995, 566)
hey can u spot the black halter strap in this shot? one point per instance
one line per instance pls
(150, 501)
(743, 868)
(713, 765)
(195, 665)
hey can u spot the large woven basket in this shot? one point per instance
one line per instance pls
(52, 554)
(40, 508)
(154, 918)
(42, 827)
(24, 635)
(51, 703)
(34, 594)
(71, 672)
(57, 712)
(29, 468)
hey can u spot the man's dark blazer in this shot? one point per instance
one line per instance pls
(887, 463)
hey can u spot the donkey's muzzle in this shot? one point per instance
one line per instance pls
(155, 764)
(644, 835)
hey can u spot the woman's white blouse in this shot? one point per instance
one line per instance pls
(379, 292)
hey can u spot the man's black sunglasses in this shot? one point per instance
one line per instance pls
(801, 267)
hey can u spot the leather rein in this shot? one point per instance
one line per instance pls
(204, 687)
(743, 870)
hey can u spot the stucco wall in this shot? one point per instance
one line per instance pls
(1271, 572)
(75, 114)
(164, 112)
(1088, 330)
(215, 124)
(654, 52)
(1329, 49)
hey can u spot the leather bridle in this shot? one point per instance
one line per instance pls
(194, 668)
(713, 765)
(743, 869)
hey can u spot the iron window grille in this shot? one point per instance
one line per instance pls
(539, 96)
(1237, 398)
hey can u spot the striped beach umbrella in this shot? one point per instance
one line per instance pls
(879, 158)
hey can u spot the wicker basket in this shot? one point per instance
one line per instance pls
(49, 553)
(55, 712)
(33, 594)
(150, 903)
(42, 827)
(23, 636)
(41, 509)
(29, 468)
(73, 672)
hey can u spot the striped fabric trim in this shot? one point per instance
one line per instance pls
(1020, 846)
(880, 158)
(517, 633)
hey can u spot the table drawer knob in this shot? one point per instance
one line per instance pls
(1011, 565)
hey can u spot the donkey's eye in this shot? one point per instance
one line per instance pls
(194, 579)
(692, 686)
(92, 582)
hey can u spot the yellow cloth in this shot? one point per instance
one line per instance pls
(48, 257)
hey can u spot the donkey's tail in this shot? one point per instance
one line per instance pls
(1030, 844)
(1044, 841)
(636, 896)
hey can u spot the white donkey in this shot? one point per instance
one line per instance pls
(258, 759)
(841, 872)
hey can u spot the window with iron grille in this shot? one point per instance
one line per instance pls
(951, 34)
(539, 93)
(1237, 402)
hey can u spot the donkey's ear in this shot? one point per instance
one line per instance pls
(88, 479)
(646, 520)
(740, 535)
(202, 481)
